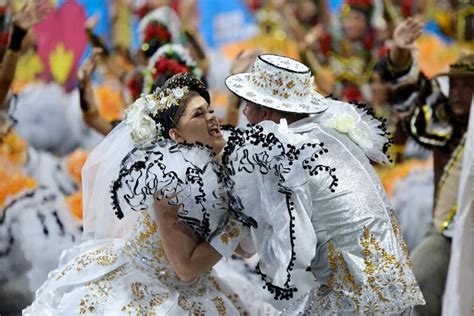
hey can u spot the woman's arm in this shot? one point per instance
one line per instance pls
(189, 23)
(22, 22)
(89, 108)
(188, 256)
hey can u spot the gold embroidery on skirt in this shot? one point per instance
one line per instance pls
(98, 291)
(102, 256)
(144, 301)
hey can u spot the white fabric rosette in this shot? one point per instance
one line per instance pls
(143, 129)
(361, 127)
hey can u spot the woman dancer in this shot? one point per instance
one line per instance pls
(125, 267)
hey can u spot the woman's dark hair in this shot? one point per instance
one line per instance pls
(161, 79)
(169, 118)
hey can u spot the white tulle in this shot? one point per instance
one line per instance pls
(51, 119)
(100, 170)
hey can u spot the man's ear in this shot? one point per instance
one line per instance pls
(265, 114)
(270, 115)
(174, 135)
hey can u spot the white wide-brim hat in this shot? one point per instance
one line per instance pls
(280, 83)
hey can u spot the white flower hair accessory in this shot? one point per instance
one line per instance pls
(139, 116)
(170, 97)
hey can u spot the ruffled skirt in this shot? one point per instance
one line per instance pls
(97, 278)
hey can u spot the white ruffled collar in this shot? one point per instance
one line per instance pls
(305, 124)
(356, 122)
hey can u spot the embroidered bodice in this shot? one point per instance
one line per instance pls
(144, 250)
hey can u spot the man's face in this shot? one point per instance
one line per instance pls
(307, 9)
(253, 112)
(461, 89)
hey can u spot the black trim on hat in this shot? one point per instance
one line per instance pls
(281, 68)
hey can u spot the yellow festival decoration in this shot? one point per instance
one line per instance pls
(122, 25)
(272, 37)
(13, 149)
(19, 4)
(110, 103)
(435, 56)
(12, 181)
(75, 162)
(28, 68)
(61, 62)
(74, 202)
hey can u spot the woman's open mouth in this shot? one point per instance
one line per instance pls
(215, 131)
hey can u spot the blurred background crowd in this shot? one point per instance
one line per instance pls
(71, 67)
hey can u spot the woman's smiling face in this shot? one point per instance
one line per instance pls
(198, 124)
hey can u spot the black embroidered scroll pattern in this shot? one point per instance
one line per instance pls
(135, 167)
(143, 173)
(271, 158)
(200, 228)
(287, 292)
(254, 135)
(275, 158)
(313, 168)
(234, 204)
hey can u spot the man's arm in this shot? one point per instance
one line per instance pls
(404, 36)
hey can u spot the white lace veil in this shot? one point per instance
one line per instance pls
(100, 170)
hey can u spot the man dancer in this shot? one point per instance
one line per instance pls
(360, 260)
